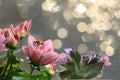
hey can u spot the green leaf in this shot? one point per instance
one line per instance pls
(69, 65)
(1, 68)
(35, 77)
(17, 51)
(14, 60)
(64, 74)
(91, 71)
(70, 70)
(72, 67)
(20, 73)
(88, 72)
(1, 60)
(76, 57)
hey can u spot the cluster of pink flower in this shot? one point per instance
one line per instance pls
(38, 53)
(10, 36)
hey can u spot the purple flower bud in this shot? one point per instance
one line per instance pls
(62, 59)
(69, 50)
(94, 58)
(85, 58)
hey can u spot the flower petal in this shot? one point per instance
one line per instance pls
(47, 46)
(2, 48)
(26, 51)
(31, 40)
(50, 58)
(62, 59)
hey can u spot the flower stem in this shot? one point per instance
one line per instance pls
(32, 69)
(5, 69)
(4, 72)
(11, 60)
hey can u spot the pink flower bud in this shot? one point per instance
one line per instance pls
(105, 60)
(51, 69)
(3, 41)
(13, 37)
(23, 28)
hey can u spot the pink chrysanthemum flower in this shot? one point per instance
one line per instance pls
(3, 41)
(24, 28)
(13, 36)
(42, 54)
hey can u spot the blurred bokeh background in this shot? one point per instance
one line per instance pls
(87, 25)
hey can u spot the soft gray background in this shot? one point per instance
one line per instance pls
(16, 11)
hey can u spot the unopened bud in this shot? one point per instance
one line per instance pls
(51, 69)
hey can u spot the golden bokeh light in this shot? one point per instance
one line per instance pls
(82, 48)
(98, 26)
(50, 5)
(62, 33)
(76, 14)
(82, 27)
(44, 6)
(92, 11)
(102, 16)
(107, 26)
(110, 39)
(117, 14)
(92, 1)
(81, 8)
(118, 32)
(109, 51)
(57, 44)
(67, 15)
(73, 2)
(89, 13)
(106, 16)
(110, 3)
(94, 19)
(104, 45)
(90, 29)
